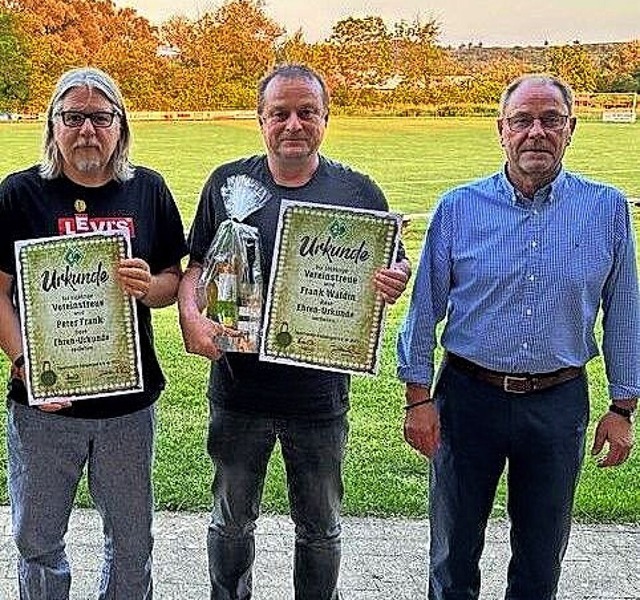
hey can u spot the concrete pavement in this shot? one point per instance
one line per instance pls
(382, 559)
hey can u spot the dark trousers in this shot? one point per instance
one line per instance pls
(540, 436)
(313, 451)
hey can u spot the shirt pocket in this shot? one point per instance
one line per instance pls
(595, 259)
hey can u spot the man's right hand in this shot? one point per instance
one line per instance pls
(421, 423)
(199, 334)
(54, 405)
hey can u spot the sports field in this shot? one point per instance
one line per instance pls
(413, 160)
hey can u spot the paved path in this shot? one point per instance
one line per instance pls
(384, 559)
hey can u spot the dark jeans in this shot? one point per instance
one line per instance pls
(313, 451)
(541, 436)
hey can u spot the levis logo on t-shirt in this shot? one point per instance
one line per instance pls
(83, 223)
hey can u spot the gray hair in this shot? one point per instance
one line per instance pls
(292, 71)
(94, 79)
(541, 79)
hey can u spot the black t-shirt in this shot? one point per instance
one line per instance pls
(240, 381)
(33, 207)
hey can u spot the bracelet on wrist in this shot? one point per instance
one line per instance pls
(418, 403)
(16, 365)
(627, 413)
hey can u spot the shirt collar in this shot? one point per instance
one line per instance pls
(546, 194)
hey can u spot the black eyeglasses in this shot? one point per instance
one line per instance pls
(76, 118)
(548, 122)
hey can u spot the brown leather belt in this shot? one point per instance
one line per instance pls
(516, 383)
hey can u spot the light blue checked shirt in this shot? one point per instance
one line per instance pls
(521, 282)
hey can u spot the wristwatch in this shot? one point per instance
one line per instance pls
(627, 413)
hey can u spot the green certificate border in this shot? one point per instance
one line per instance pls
(322, 309)
(79, 328)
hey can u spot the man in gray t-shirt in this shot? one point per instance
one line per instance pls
(254, 404)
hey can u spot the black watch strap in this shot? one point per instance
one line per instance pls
(627, 413)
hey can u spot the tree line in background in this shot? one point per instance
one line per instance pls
(214, 62)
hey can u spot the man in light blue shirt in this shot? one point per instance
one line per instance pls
(519, 263)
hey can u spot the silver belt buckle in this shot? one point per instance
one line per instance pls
(508, 380)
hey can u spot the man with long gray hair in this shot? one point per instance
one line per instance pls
(84, 183)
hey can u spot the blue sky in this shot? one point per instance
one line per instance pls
(492, 22)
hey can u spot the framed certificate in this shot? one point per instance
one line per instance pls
(79, 328)
(322, 308)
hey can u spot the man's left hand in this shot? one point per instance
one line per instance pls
(618, 432)
(54, 405)
(390, 283)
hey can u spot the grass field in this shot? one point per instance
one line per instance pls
(413, 160)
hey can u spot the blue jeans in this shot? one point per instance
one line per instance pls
(313, 451)
(541, 436)
(47, 454)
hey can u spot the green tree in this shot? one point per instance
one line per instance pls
(487, 85)
(61, 34)
(622, 69)
(363, 55)
(417, 56)
(14, 68)
(295, 49)
(422, 66)
(575, 65)
(129, 55)
(222, 55)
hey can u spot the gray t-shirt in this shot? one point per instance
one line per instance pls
(239, 381)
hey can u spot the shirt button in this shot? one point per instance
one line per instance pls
(532, 277)
(525, 345)
(534, 244)
(528, 312)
